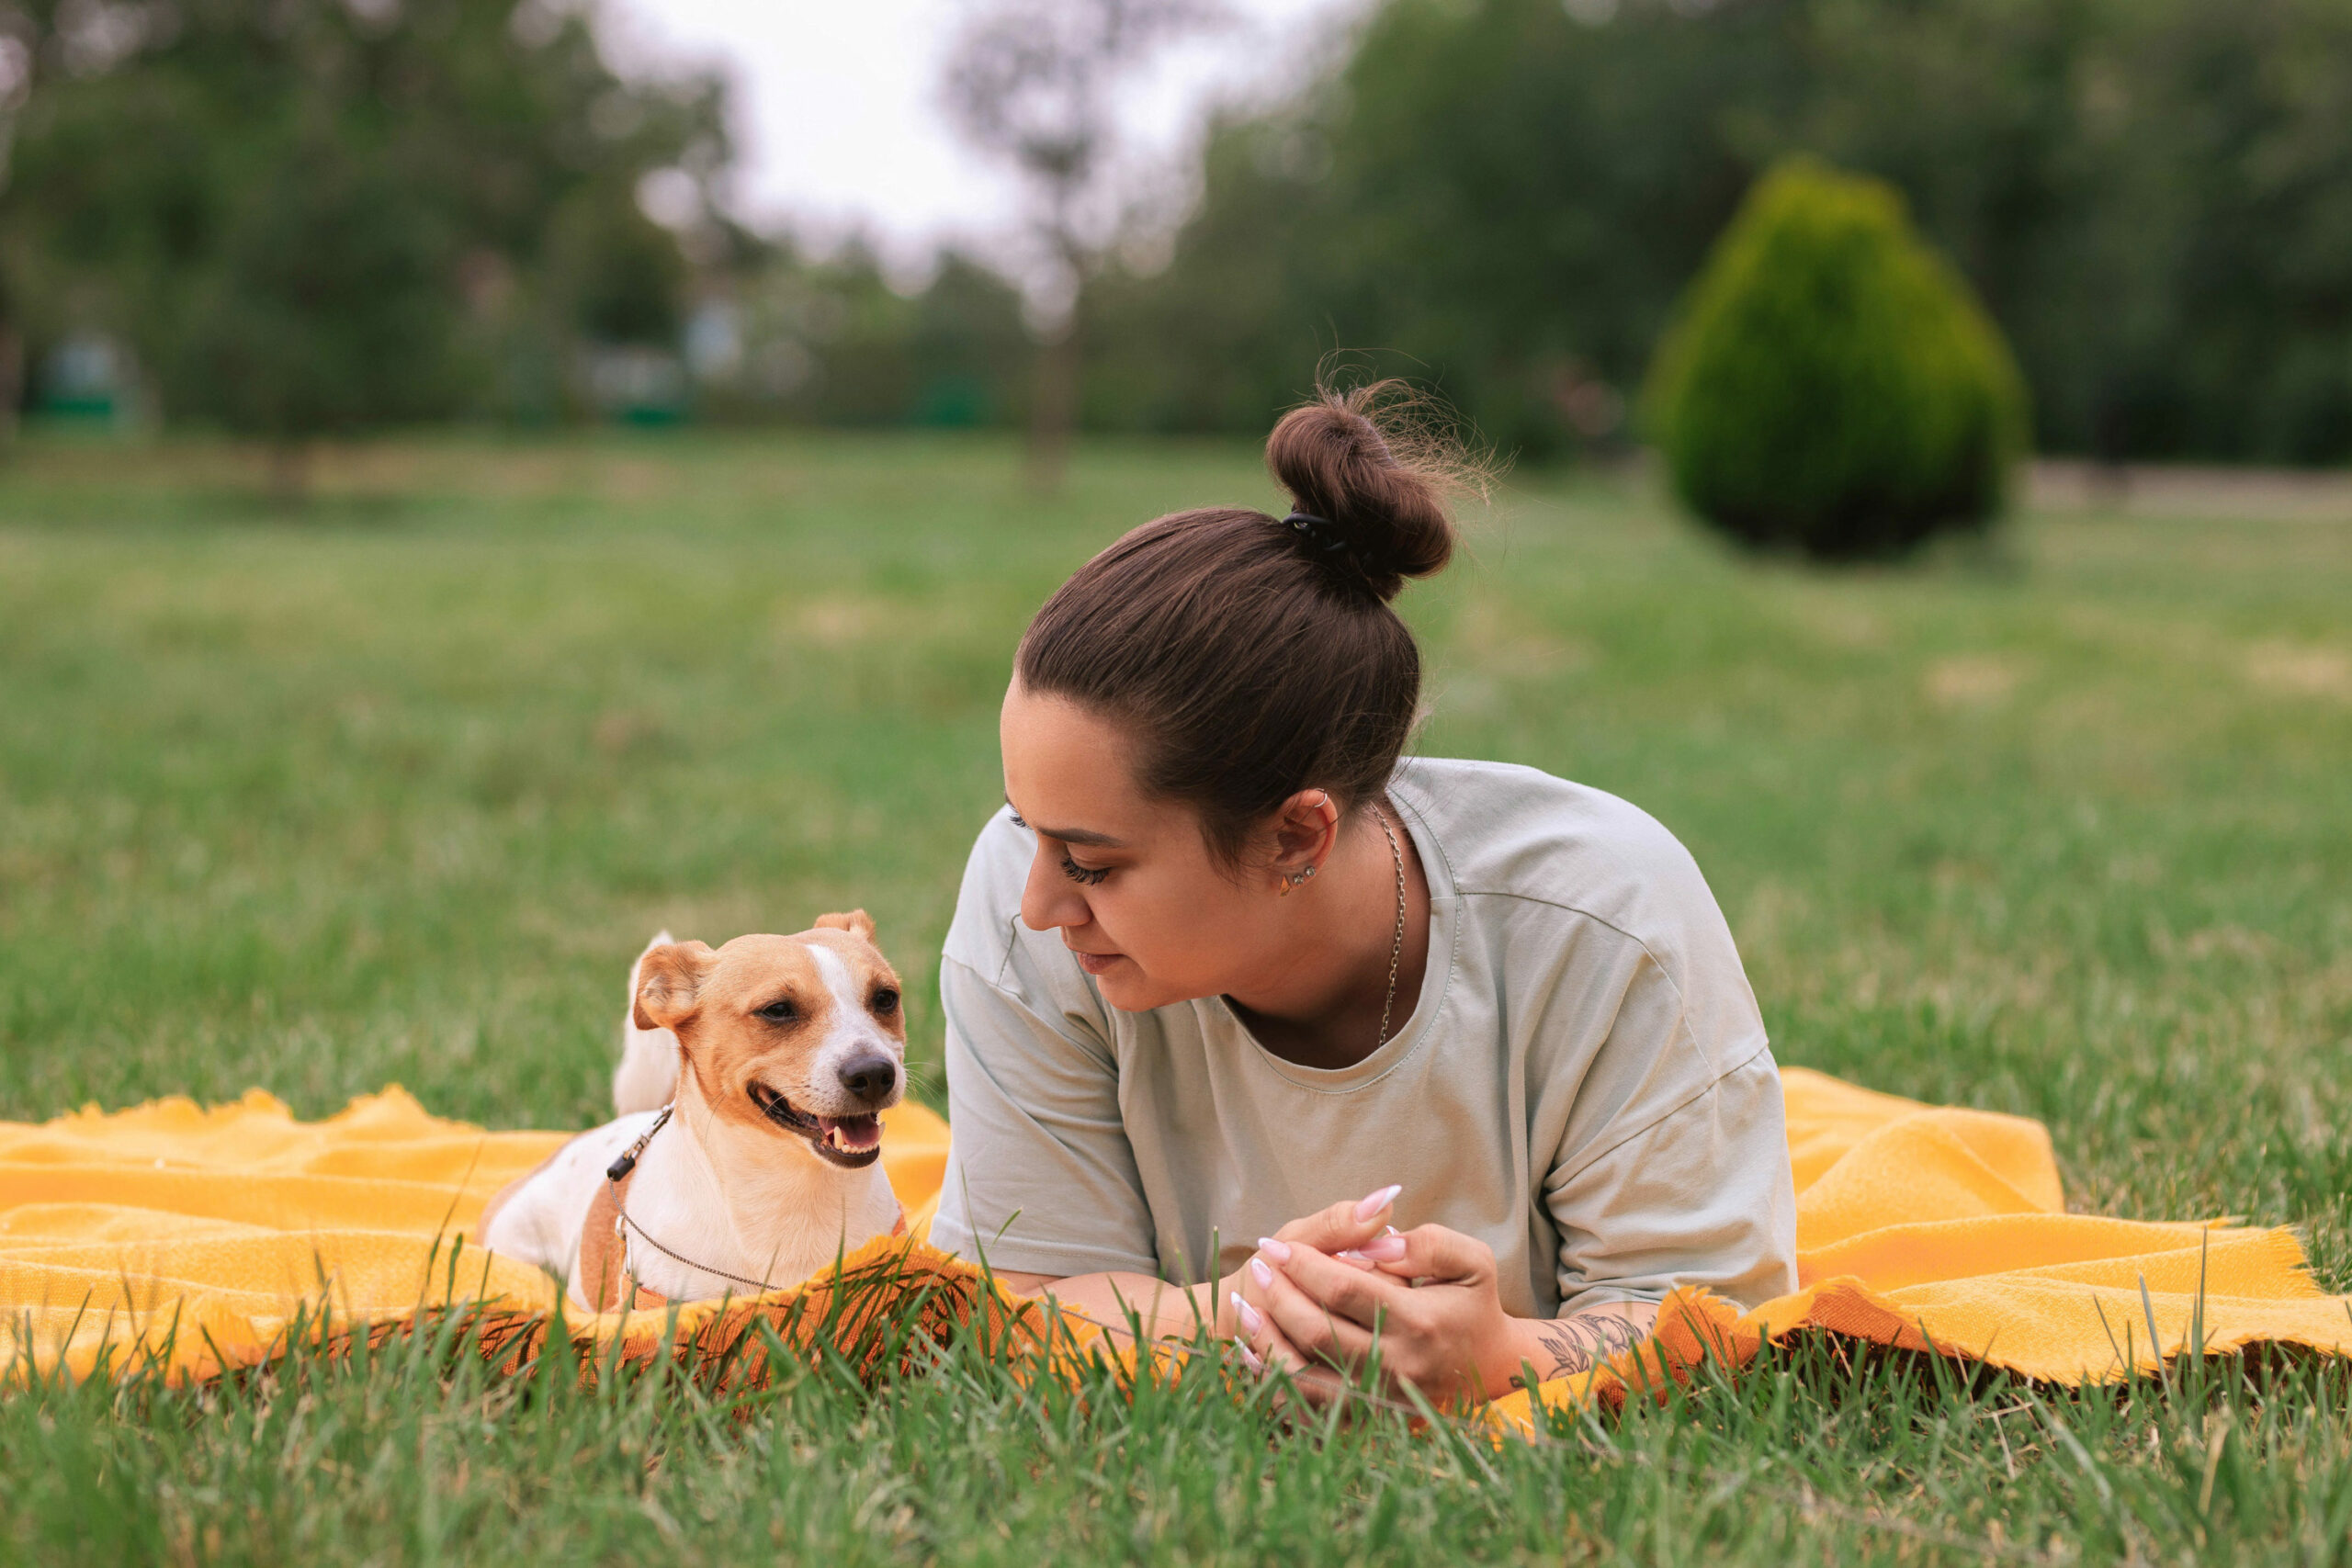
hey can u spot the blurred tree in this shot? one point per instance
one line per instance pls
(321, 307)
(24, 30)
(1830, 386)
(965, 347)
(1232, 329)
(622, 277)
(1036, 83)
(12, 367)
(2154, 196)
(1503, 196)
(832, 341)
(308, 216)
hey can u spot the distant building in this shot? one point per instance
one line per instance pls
(88, 376)
(635, 383)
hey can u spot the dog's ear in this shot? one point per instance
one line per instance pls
(669, 982)
(857, 922)
(661, 938)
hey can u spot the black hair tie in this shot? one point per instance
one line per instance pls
(1322, 538)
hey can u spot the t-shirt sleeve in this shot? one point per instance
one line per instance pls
(1689, 1188)
(1041, 1179)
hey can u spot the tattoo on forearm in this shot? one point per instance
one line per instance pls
(1579, 1343)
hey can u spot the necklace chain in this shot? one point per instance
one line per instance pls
(1396, 947)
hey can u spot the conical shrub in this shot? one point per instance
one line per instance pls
(1830, 384)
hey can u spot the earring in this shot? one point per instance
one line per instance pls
(1298, 879)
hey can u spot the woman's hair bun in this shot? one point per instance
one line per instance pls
(1369, 462)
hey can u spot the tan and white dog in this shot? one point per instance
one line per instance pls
(769, 1060)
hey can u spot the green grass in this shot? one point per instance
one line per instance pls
(393, 788)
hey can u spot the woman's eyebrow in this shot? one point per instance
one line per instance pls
(1071, 835)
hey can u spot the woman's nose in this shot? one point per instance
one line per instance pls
(1048, 901)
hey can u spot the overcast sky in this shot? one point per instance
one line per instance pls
(838, 112)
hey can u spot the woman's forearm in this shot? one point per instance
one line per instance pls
(1553, 1347)
(1120, 1301)
(1559, 1347)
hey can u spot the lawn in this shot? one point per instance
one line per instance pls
(392, 787)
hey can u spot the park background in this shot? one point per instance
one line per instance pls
(442, 540)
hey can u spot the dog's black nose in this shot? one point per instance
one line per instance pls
(871, 1078)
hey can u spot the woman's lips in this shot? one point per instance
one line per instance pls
(1095, 962)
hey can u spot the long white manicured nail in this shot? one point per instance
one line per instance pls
(1251, 1324)
(1376, 1202)
(1263, 1275)
(1248, 1357)
(1277, 1250)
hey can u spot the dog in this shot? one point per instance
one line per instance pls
(769, 1060)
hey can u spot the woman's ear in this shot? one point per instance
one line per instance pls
(1306, 827)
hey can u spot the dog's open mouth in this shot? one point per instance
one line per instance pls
(850, 1142)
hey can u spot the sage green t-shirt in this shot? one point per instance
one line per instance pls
(1584, 1083)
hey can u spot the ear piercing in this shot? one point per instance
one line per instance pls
(1298, 879)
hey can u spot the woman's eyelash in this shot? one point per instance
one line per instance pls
(1090, 875)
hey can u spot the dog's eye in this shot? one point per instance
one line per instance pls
(886, 1000)
(780, 1011)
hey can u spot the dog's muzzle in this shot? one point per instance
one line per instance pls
(850, 1142)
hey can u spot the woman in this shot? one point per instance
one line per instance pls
(1336, 1042)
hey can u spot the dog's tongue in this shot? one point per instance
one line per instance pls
(853, 1132)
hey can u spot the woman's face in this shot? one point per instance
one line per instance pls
(1127, 879)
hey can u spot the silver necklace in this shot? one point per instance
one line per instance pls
(1396, 947)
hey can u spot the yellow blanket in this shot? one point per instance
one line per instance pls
(193, 1237)
(1928, 1228)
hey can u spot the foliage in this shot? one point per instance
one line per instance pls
(1501, 198)
(398, 794)
(622, 276)
(1831, 385)
(830, 341)
(323, 307)
(2152, 198)
(317, 217)
(1043, 87)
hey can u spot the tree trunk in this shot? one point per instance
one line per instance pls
(12, 381)
(1053, 405)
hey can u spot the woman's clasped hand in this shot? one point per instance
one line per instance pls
(1321, 1294)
